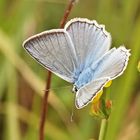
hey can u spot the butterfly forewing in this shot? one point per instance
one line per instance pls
(90, 40)
(55, 51)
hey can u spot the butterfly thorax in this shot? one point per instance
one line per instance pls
(84, 77)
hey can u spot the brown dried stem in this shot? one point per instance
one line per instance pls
(48, 82)
(66, 13)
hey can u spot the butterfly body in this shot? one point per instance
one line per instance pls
(84, 77)
(79, 54)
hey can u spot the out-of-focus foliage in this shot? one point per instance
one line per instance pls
(22, 80)
(138, 66)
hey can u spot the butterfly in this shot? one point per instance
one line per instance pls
(80, 54)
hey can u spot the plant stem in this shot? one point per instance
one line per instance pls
(44, 107)
(104, 122)
(66, 13)
(103, 129)
(48, 82)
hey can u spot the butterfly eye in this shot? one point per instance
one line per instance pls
(74, 90)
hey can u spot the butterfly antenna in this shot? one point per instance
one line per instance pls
(57, 88)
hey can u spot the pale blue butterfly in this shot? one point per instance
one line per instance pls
(79, 54)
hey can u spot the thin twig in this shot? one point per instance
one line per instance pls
(66, 14)
(48, 82)
(44, 107)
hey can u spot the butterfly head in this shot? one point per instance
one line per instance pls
(74, 89)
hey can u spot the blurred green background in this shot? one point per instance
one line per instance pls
(22, 80)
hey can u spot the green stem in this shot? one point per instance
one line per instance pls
(103, 129)
(104, 122)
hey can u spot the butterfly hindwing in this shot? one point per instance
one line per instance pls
(112, 64)
(86, 93)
